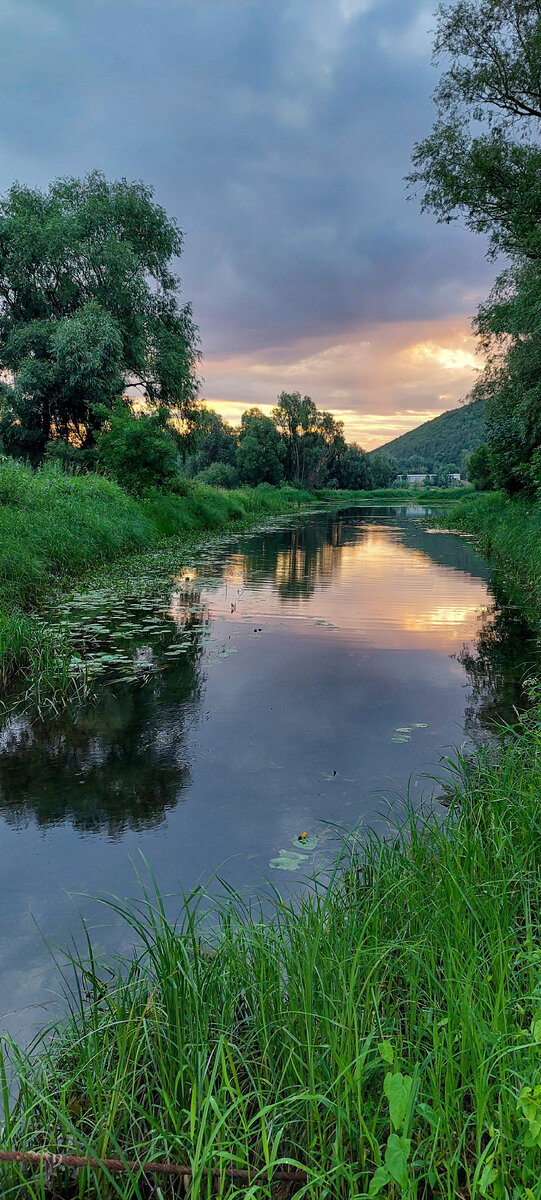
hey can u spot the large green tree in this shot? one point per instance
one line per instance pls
(261, 451)
(482, 161)
(313, 438)
(89, 306)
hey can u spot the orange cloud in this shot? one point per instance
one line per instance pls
(381, 381)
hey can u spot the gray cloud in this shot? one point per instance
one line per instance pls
(277, 131)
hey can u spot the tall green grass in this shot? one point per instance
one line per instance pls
(384, 1032)
(55, 526)
(508, 532)
(414, 494)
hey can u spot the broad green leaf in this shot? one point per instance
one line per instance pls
(387, 1052)
(380, 1178)
(396, 1158)
(428, 1113)
(488, 1177)
(397, 1089)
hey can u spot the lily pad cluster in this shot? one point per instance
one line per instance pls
(291, 860)
(403, 732)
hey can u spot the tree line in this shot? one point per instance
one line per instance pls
(482, 164)
(298, 443)
(99, 355)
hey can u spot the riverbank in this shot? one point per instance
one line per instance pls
(384, 1029)
(386, 1024)
(508, 533)
(54, 527)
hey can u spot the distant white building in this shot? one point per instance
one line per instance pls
(426, 477)
(421, 477)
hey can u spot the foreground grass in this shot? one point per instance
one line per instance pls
(55, 526)
(508, 532)
(384, 1032)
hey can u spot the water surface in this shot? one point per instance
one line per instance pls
(296, 679)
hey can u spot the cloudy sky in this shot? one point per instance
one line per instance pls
(278, 133)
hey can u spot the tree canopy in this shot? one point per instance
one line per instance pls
(89, 306)
(482, 162)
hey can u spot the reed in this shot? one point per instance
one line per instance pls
(383, 1031)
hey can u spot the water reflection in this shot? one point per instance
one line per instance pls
(311, 610)
(498, 665)
(120, 764)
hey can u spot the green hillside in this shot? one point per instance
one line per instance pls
(446, 439)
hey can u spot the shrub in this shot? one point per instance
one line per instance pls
(139, 451)
(219, 474)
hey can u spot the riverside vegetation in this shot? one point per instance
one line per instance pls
(381, 1033)
(56, 525)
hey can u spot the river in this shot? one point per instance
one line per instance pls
(298, 679)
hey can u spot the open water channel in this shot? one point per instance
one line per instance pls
(296, 679)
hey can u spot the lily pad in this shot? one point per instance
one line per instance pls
(307, 843)
(287, 860)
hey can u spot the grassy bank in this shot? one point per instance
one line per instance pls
(508, 532)
(384, 1034)
(55, 526)
(409, 495)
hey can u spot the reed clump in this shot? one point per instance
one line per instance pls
(383, 1032)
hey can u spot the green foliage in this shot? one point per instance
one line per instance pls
(313, 439)
(382, 469)
(481, 161)
(381, 1031)
(88, 305)
(508, 532)
(480, 469)
(355, 473)
(261, 452)
(447, 438)
(55, 525)
(219, 474)
(509, 326)
(210, 440)
(139, 452)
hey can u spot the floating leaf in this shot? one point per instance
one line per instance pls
(287, 860)
(307, 843)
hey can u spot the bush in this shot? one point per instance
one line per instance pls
(219, 474)
(139, 451)
(72, 458)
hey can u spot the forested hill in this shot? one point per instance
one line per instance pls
(447, 439)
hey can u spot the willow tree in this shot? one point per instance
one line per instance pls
(482, 164)
(89, 306)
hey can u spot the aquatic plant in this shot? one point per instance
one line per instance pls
(55, 526)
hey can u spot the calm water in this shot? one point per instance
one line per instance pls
(295, 679)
